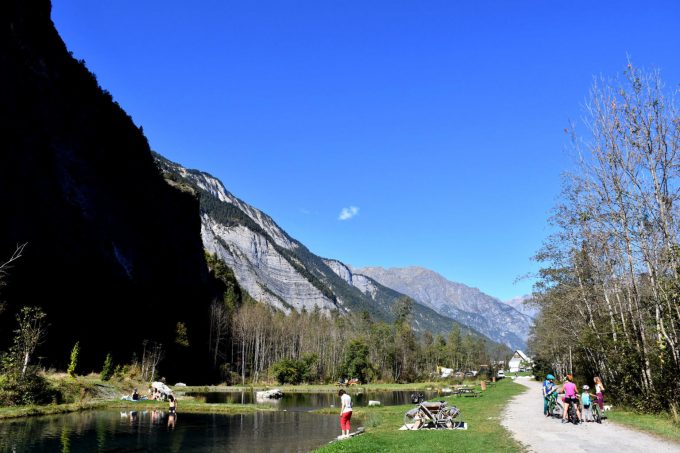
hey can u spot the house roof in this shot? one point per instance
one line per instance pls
(522, 356)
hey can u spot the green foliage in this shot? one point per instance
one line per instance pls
(119, 372)
(18, 390)
(107, 369)
(542, 367)
(402, 309)
(286, 371)
(181, 335)
(290, 371)
(234, 295)
(73, 363)
(356, 363)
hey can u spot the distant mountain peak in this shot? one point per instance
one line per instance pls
(520, 303)
(470, 306)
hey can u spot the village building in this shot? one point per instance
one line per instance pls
(519, 360)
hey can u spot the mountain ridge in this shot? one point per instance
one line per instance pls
(466, 304)
(265, 259)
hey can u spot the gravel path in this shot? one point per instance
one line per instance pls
(523, 417)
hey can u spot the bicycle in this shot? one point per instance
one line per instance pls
(572, 414)
(597, 414)
(554, 408)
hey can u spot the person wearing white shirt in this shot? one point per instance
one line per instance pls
(345, 413)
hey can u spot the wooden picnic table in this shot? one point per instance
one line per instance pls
(467, 391)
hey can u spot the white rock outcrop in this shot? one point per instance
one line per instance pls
(260, 269)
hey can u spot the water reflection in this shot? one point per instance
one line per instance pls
(156, 431)
(308, 401)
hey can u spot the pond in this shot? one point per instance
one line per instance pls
(292, 401)
(157, 431)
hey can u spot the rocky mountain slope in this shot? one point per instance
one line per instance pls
(469, 306)
(277, 269)
(113, 254)
(520, 304)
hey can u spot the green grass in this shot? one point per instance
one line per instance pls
(25, 411)
(519, 373)
(482, 414)
(182, 406)
(661, 425)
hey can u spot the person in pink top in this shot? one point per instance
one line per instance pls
(570, 396)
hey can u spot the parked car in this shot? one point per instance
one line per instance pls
(500, 374)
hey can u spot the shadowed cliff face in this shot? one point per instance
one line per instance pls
(114, 254)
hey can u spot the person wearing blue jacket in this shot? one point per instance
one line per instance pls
(586, 403)
(548, 388)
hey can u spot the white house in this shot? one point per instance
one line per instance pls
(516, 361)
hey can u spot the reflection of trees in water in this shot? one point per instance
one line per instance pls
(141, 430)
(65, 440)
(34, 430)
(57, 432)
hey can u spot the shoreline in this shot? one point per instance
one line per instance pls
(188, 404)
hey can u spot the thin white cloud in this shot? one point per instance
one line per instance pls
(305, 211)
(348, 213)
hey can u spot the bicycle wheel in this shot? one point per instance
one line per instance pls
(596, 414)
(556, 409)
(572, 414)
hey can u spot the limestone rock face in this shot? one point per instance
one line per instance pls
(262, 256)
(260, 269)
(361, 282)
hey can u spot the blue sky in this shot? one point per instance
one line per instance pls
(434, 128)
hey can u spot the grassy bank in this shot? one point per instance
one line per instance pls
(484, 433)
(50, 409)
(89, 392)
(184, 405)
(660, 425)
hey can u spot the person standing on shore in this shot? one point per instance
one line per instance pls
(345, 413)
(172, 405)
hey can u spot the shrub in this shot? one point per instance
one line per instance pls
(74, 360)
(290, 371)
(32, 388)
(287, 371)
(356, 363)
(107, 370)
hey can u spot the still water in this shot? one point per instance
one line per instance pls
(309, 401)
(157, 431)
(289, 429)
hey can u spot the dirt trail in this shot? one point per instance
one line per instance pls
(524, 418)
